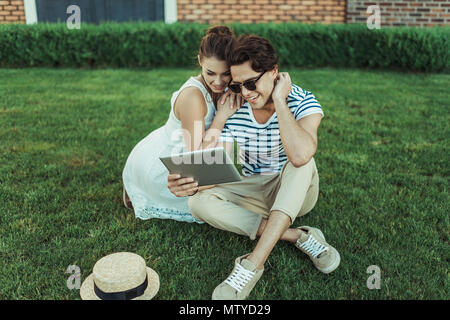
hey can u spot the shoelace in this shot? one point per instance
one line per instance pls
(239, 278)
(312, 246)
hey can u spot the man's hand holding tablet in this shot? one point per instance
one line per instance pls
(184, 187)
(206, 166)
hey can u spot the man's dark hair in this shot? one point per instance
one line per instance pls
(255, 49)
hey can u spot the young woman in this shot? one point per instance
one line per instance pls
(194, 123)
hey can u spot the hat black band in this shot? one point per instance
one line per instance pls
(122, 295)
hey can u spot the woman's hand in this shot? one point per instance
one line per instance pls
(229, 103)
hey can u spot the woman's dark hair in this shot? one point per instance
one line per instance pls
(255, 49)
(216, 42)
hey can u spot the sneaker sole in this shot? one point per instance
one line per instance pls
(332, 267)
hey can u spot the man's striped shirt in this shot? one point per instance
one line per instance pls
(261, 149)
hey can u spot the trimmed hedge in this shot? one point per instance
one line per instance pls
(157, 44)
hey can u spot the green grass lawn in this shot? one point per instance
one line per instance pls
(383, 162)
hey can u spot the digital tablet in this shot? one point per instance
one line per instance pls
(207, 166)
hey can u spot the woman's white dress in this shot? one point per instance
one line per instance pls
(144, 175)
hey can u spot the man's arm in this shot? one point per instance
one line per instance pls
(299, 138)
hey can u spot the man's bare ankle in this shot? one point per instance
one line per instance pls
(295, 234)
(258, 265)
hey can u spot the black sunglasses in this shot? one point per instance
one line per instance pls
(249, 84)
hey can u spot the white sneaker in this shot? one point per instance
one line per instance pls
(240, 282)
(312, 242)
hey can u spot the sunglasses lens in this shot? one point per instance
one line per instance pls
(251, 85)
(235, 88)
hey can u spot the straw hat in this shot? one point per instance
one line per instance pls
(120, 276)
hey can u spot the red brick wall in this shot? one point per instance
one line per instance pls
(393, 12)
(12, 11)
(402, 12)
(254, 11)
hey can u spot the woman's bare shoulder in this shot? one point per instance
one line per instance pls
(190, 100)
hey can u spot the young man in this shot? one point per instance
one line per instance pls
(276, 130)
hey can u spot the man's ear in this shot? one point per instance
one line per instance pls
(275, 71)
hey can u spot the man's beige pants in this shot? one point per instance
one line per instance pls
(240, 206)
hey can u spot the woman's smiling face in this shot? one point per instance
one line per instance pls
(216, 73)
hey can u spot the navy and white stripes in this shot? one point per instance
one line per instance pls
(261, 149)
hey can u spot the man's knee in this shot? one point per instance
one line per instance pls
(305, 178)
(308, 167)
(194, 204)
(201, 204)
